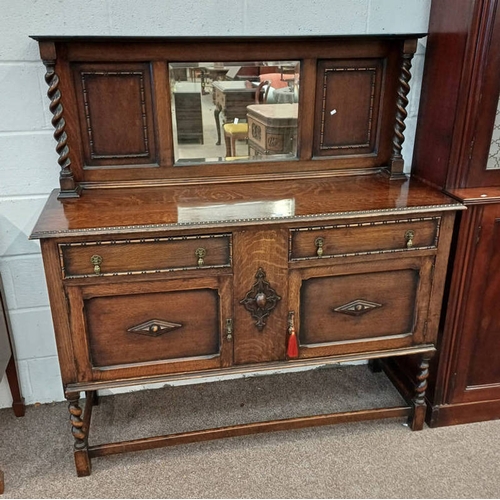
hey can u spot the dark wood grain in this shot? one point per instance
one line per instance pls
(459, 100)
(478, 359)
(380, 236)
(116, 114)
(392, 296)
(447, 71)
(112, 342)
(348, 106)
(102, 315)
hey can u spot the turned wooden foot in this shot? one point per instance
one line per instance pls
(95, 398)
(79, 431)
(375, 365)
(2, 484)
(13, 379)
(416, 421)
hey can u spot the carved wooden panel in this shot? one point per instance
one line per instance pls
(386, 303)
(116, 114)
(477, 364)
(255, 248)
(114, 341)
(348, 103)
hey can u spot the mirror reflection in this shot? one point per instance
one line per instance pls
(230, 112)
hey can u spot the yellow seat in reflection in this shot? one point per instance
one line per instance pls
(234, 158)
(234, 132)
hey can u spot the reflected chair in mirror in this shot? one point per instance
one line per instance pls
(239, 131)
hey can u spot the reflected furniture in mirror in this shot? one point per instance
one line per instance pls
(188, 115)
(273, 129)
(308, 246)
(459, 124)
(231, 99)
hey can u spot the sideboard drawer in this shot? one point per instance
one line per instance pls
(143, 256)
(364, 238)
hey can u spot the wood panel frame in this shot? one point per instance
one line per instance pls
(70, 52)
(86, 371)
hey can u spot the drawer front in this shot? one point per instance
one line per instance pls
(364, 238)
(143, 256)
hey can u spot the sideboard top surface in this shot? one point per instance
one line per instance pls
(148, 209)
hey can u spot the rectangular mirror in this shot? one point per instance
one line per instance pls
(230, 112)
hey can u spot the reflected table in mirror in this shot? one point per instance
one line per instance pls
(272, 129)
(285, 95)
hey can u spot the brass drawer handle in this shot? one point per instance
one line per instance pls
(319, 242)
(409, 235)
(96, 260)
(200, 253)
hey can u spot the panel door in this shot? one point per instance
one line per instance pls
(148, 328)
(361, 307)
(477, 367)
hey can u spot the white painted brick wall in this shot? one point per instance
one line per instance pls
(28, 162)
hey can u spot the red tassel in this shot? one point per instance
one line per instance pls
(293, 347)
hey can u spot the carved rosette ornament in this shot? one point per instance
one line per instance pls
(69, 189)
(260, 300)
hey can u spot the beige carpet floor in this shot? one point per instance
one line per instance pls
(382, 459)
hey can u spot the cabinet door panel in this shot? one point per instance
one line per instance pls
(362, 307)
(347, 112)
(152, 326)
(342, 308)
(116, 114)
(145, 328)
(478, 372)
